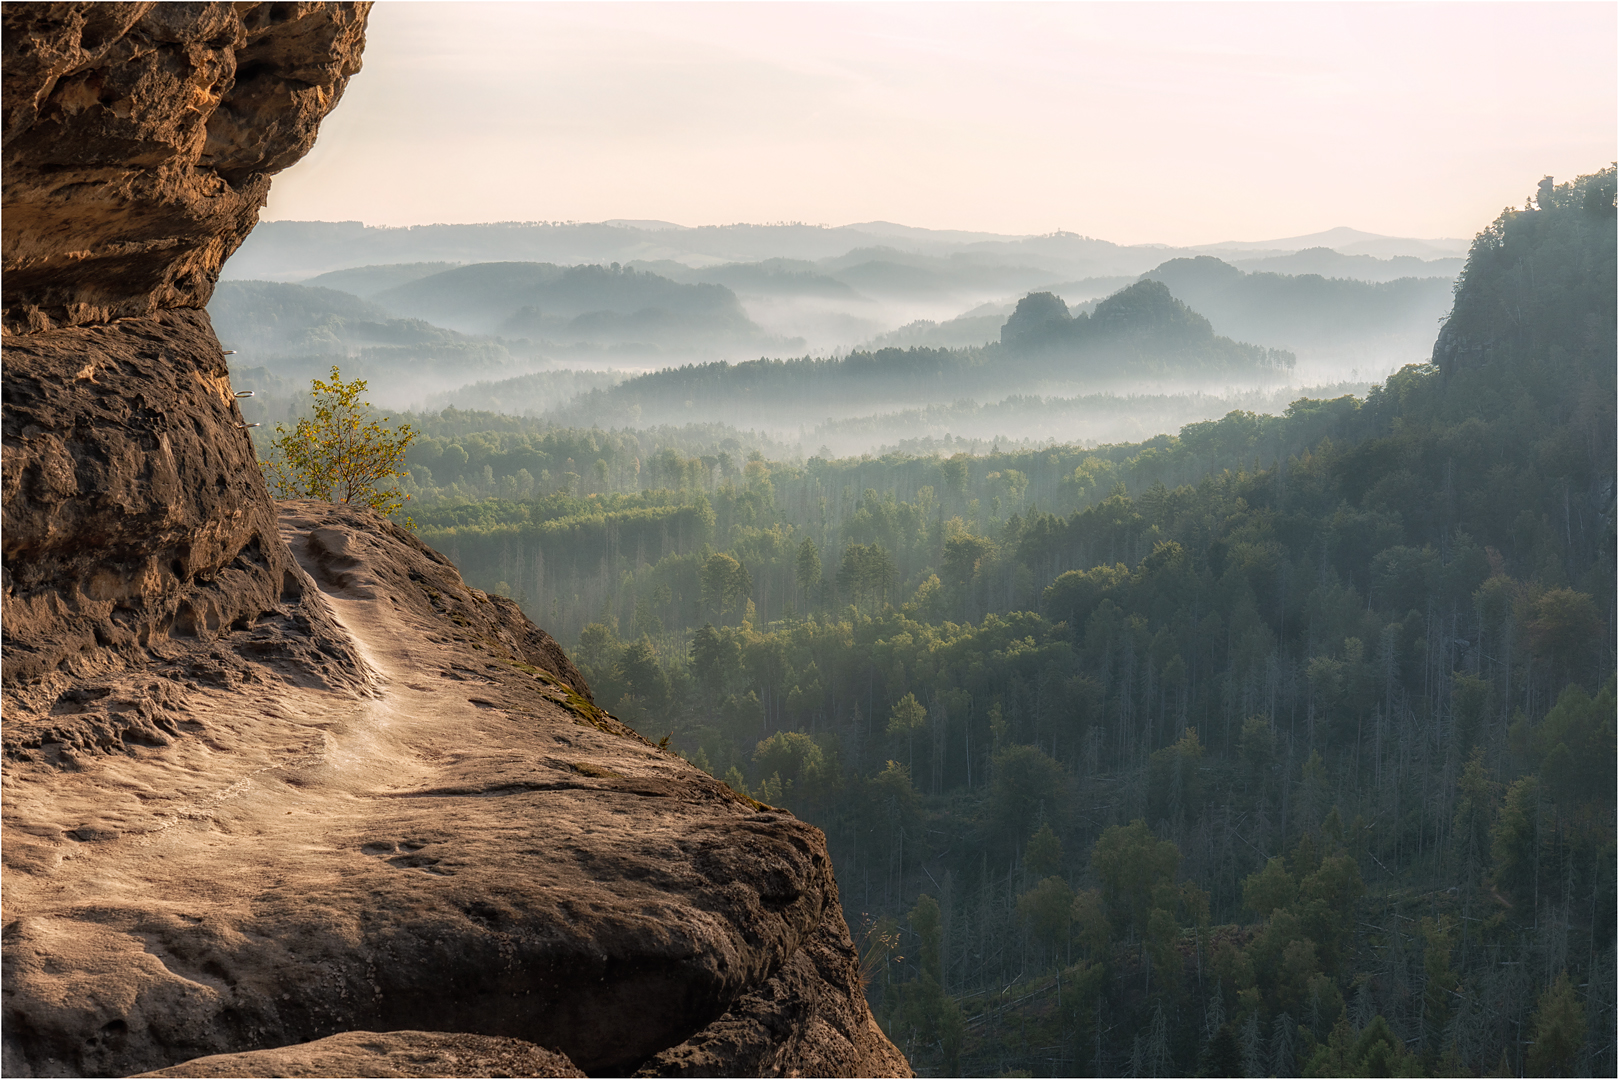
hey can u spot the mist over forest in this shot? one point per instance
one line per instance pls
(845, 339)
(1201, 661)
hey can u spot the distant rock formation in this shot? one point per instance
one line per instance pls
(1141, 328)
(276, 779)
(1041, 318)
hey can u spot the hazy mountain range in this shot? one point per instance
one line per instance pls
(295, 250)
(801, 288)
(548, 318)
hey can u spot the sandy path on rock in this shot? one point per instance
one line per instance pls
(468, 848)
(300, 764)
(304, 771)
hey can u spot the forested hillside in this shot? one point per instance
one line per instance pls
(1141, 328)
(1291, 751)
(1283, 745)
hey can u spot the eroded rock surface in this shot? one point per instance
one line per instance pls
(140, 139)
(137, 530)
(475, 847)
(392, 1053)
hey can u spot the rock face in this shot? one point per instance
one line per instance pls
(281, 793)
(139, 142)
(474, 847)
(394, 1053)
(136, 526)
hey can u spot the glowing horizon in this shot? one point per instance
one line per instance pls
(1178, 124)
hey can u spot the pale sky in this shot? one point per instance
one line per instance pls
(1141, 122)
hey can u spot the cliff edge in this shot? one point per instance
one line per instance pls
(281, 793)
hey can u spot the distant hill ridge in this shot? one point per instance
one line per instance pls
(298, 250)
(1140, 332)
(274, 317)
(367, 281)
(1142, 325)
(487, 297)
(1335, 264)
(1302, 310)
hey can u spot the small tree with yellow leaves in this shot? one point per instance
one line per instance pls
(341, 454)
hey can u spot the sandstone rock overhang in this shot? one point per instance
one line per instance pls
(280, 791)
(139, 141)
(138, 145)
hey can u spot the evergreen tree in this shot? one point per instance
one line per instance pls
(1559, 1031)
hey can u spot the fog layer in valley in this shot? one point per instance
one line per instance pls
(841, 340)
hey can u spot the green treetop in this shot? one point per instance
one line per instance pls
(342, 454)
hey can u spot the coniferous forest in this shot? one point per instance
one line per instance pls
(1280, 746)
